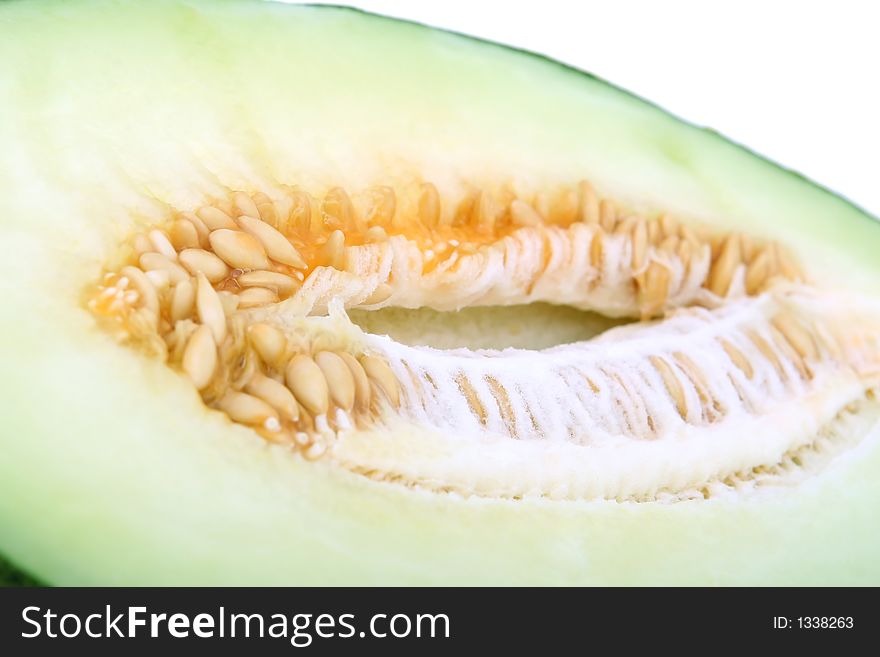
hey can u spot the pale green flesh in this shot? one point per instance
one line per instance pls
(111, 469)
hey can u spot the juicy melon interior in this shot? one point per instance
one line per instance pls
(200, 300)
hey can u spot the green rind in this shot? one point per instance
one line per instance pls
(11, 576)
(111, 471)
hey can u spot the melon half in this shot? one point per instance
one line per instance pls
(300, 295)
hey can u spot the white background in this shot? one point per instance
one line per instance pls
(796, 81)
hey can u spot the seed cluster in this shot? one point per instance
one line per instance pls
(181, 302)
(182, 292)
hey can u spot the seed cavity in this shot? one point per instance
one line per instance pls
(246, 295)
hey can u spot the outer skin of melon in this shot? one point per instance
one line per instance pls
(111, 469)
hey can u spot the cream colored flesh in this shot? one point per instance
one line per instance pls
(116, 471)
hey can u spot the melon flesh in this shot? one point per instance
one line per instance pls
(114, 472)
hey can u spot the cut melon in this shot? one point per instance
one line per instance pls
(299, 295)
